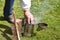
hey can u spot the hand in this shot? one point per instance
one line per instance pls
(29, 17)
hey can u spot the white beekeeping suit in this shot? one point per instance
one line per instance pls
(25, 4)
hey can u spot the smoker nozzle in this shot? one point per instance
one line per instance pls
(41, 26)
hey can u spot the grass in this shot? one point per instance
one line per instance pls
(47, 11)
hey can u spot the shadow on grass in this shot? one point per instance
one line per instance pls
(6, 31)
(2, 18)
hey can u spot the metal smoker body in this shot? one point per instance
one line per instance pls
(27, 28)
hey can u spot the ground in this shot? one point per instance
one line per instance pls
(47, 11)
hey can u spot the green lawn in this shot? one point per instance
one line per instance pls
(47, 11)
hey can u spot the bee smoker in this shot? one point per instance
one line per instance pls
(27, 29)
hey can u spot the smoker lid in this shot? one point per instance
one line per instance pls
(42, 24)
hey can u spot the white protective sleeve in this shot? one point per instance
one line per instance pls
(25, 4)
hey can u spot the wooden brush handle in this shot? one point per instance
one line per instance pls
(16, 27)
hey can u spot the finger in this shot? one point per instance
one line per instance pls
(28, 20)
(32, 21)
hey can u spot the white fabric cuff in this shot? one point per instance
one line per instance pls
(25, 4)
